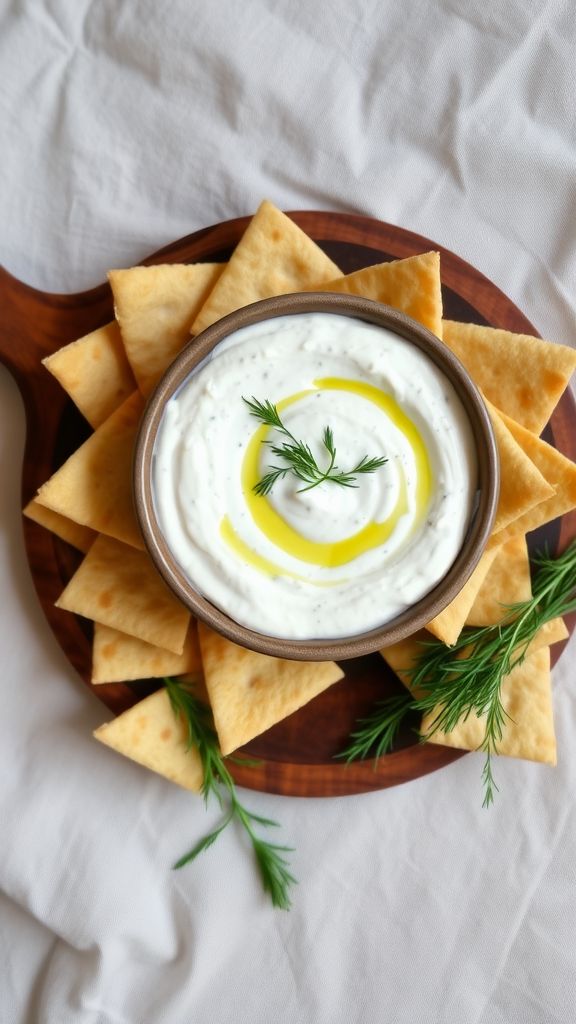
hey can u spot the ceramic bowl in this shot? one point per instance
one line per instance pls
(413, 618)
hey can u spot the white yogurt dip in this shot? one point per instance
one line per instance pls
(332, 561)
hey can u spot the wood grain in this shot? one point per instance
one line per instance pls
(297, 756)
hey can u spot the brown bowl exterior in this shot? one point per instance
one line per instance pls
(478, 533)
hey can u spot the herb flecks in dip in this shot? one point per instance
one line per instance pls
(330, 561)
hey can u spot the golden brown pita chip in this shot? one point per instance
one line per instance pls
(401, 657)
(527, 698)
(522, 485)
(448, 625)
(94, 486)
(95, 373)
(150, 734)
(556, 469)
(154, 308)
(80, 537)
(273, 257)
(119, 587)
(523, 376)
(550, 633)
(411, 285)
(507, 582)
(250, 692)
(117, 656)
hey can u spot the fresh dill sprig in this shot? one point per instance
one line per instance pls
(299, 457)
(451, 683)
(217, 781)
(376, 733)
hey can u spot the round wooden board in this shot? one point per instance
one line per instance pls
(297, 756)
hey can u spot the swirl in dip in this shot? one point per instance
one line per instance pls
(333, 561)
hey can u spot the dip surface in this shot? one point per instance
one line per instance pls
(332, 561)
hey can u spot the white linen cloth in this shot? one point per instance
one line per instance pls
(124, 127)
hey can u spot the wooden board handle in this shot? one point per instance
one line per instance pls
(35, 323)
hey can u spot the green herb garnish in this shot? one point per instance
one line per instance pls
(217, 781)
(300, 459)
(466, 679)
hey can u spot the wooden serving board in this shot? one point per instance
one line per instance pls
(297, 756)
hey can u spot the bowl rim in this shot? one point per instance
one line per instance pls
(411, 619)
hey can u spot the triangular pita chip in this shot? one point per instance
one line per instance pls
(250, 692)
(80, 537)
(117, 657)
(411, 285)
(527, 698)
(557, 470)
(507, 582)
(150, 734)
(119, 587)
(401, 657)
(522, 485)
(93, 487)
(447, 626)
(154, 307)
(273, 257)
(523, 376)
(94, 372)
(550, 633)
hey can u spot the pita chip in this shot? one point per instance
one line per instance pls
(80, 537)
(93, 487)
(117, 657)
(250, 692)
(411, 285)
(94, 372)
(507, 582)
(402, 656)
(448, 625)
(522, 375)
(529, 730)
(273, 257)
(522, 484)
(550, 633)
(154, 307)
(484, 600)
(557, 470)
(150, 734)
(119, 587)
